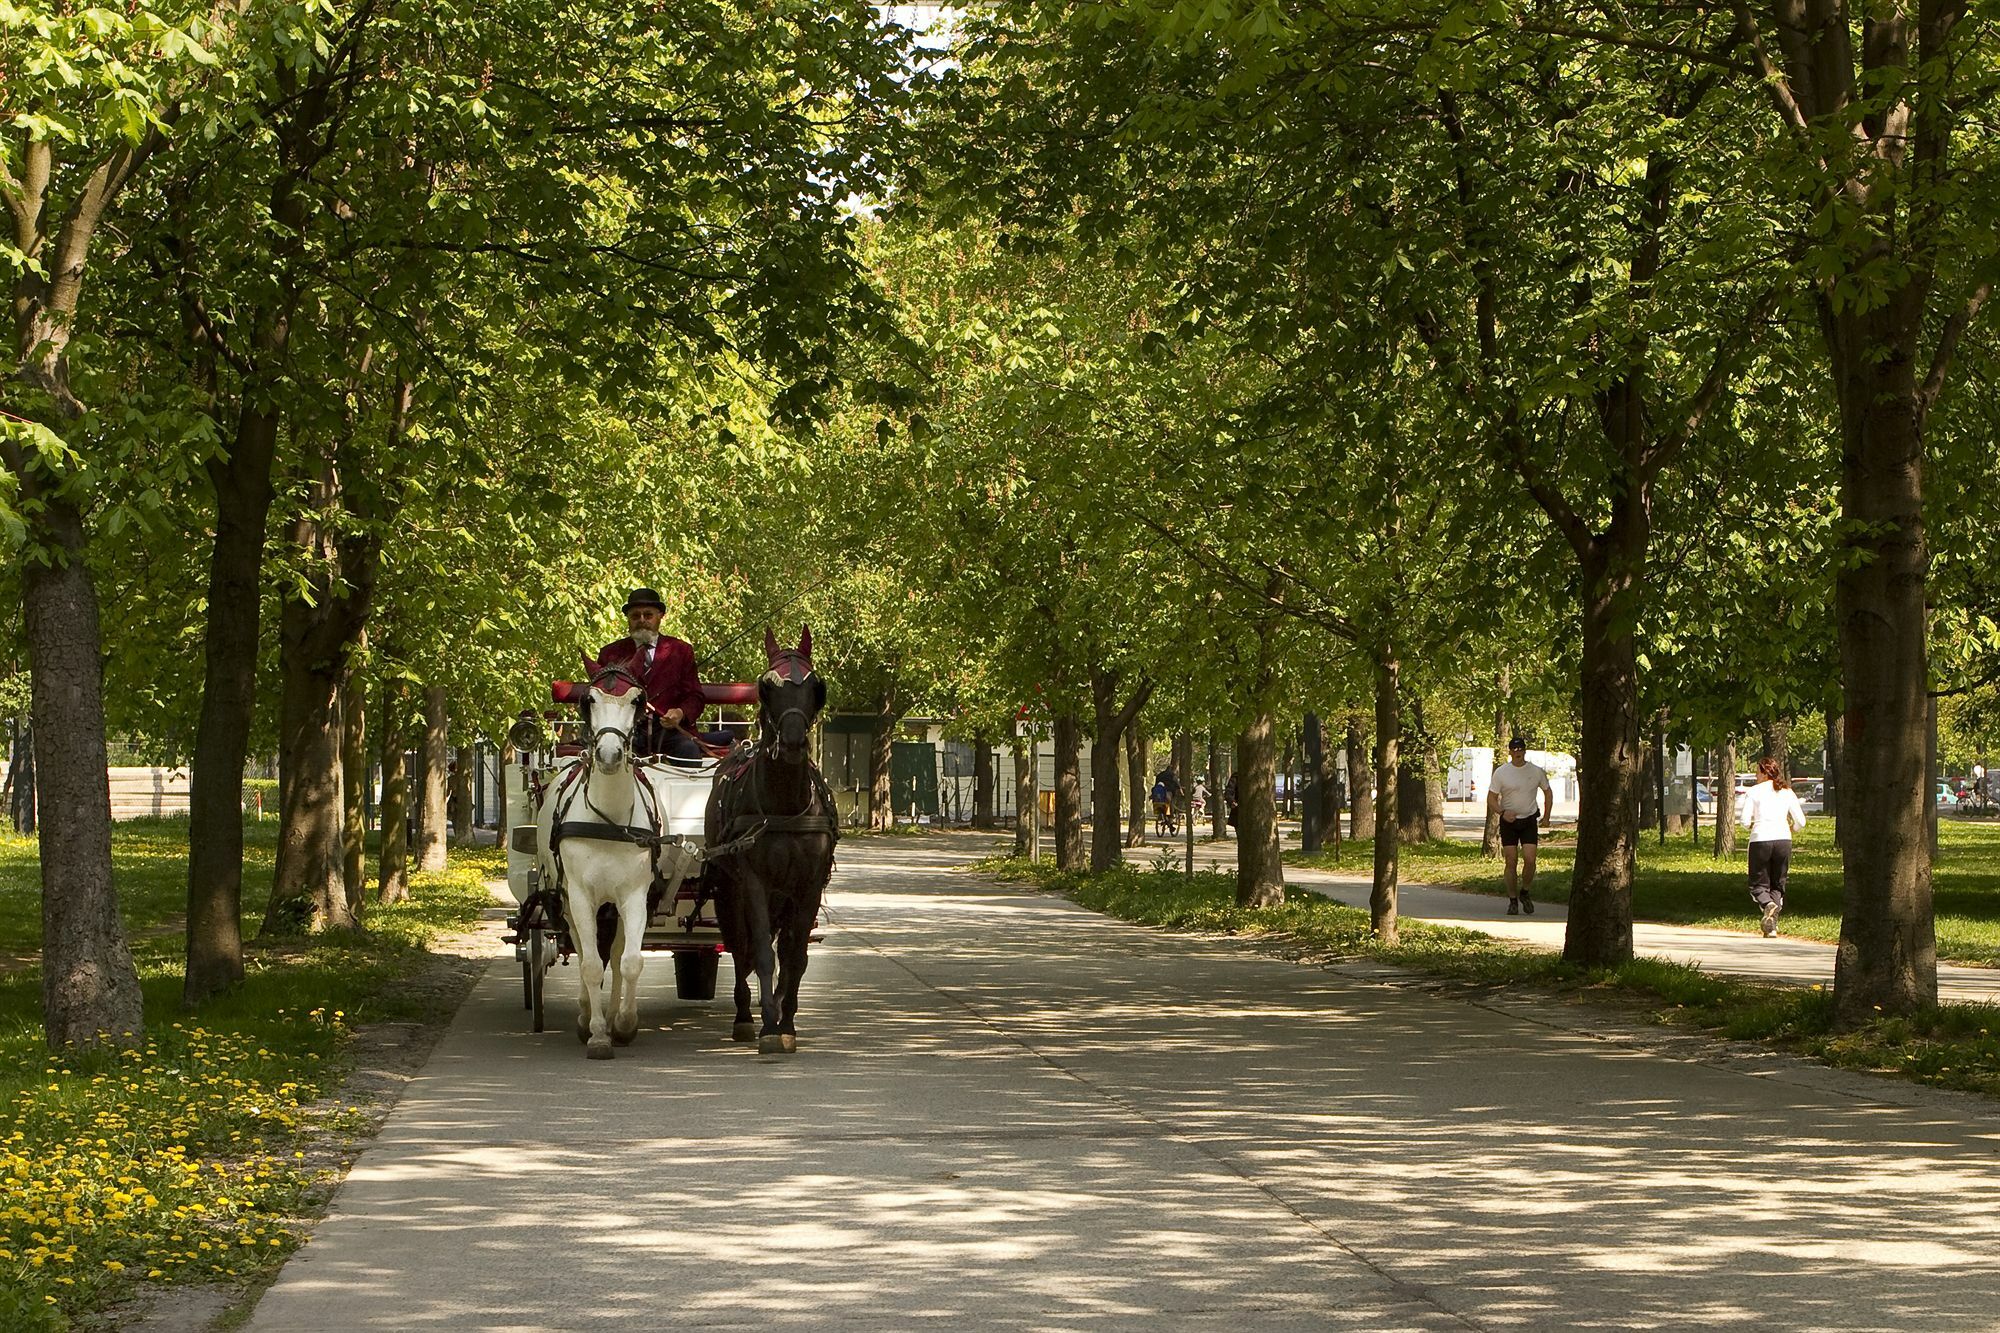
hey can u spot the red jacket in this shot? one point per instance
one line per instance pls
(672, 682)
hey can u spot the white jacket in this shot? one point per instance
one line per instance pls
(1772, 814)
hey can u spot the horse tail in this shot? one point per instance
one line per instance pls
(607, 929)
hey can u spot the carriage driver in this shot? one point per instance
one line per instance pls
(666, 665)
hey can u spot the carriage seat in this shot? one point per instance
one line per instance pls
(722, 692)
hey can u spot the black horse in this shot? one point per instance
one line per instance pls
(768, 889)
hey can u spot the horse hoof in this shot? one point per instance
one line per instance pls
(788, 1043)
(583, 1032)
(598, 1050)
(623, 1035)
(770, 1044)
(743, 1032)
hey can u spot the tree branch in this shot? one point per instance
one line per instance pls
(1947, 347)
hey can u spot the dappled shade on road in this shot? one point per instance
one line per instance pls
(1010, 1113)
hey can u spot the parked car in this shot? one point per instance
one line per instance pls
(1812, 797)
(1945, 798)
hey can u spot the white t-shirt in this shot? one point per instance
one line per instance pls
(1516, 786)
(1771, 814)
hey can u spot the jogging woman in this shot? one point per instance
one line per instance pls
(1772, 810)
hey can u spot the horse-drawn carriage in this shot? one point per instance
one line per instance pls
(612, 855)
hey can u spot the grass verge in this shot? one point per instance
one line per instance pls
(1683, 884)
(1952, 1046)
(188, 1159)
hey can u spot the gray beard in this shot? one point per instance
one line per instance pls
(645, 638)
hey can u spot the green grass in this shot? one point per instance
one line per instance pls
(1950, 1046)
(181, 1160)
(1685, 885)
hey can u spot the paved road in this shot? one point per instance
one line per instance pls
(1723, 952)
(1010, 1113)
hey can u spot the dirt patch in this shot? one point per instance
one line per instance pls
(385, 1056)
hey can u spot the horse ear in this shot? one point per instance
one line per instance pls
(770, 645)
(806, 642)
(589, 665)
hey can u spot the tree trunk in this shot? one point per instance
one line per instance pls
(1360, 782)
(1312, 819)
(1138, 765)
(1388, 743)
(433, 760)
(1652, 785)
(21, 778)
(1695, 761)
(243, 491)
(1599, 932)
(1412, 818)
(394, 729)
(1069, 792)
(1777, 738)
(1218, 811)
(90, 986)
(1661, 781)
(354, 773)
(1724, 792)
(1489, 840)
(461, 795)
(1887, 958)
(881, 760)
(1420, 793)
(308, 887)
(982, 782)
(1025, 795)
(1107, 760)
(1260, 870)
(1112, 718)
(1287, 765)
(1836, 769)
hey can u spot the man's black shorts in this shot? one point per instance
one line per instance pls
(1514, 832)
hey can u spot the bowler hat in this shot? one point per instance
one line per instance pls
(642, 597)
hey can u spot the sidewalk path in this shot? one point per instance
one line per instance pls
(1011, 1113)
(1723, 952)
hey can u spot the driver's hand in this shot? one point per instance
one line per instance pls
(672, 717)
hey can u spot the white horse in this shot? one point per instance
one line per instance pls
(602, 789)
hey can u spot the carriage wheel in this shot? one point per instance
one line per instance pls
(537, 973)
(527, 978)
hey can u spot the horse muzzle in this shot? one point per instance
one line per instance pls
(609, 750)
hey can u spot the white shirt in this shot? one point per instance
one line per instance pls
(1771, 814)
(1516, 785)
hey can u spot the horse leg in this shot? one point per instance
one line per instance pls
(627, 961)
(758, 918)
(797, 935)
(745, 1029)
(590, 1024)
(735, 937)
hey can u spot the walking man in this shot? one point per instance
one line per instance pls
(1515, 786)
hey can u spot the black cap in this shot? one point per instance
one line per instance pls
(1517, 744)
(643, 597)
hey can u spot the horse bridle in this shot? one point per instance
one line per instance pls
(615, 671)
(805, 715)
